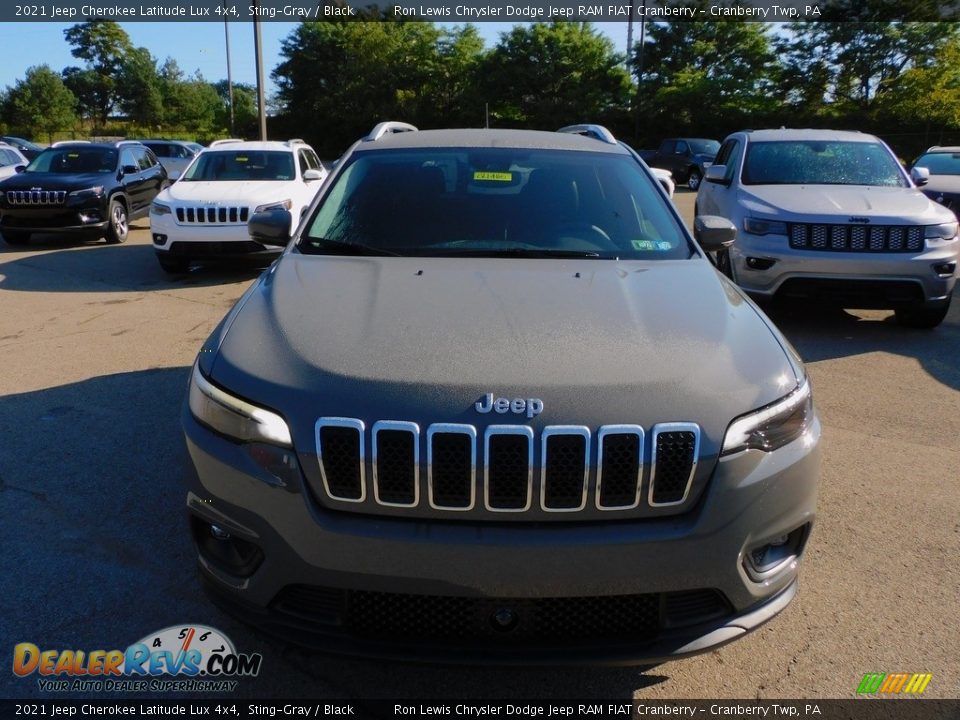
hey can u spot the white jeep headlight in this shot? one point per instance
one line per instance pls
(944, 231)
(233, 417)
(773, 426)
(159, 208)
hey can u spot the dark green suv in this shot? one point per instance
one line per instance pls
(93, 189)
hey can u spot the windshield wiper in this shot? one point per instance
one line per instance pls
(513, 252)
(325, 246)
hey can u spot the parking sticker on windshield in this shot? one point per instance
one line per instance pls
(651, 245)
(488, 176)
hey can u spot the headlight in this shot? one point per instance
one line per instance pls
(945, 231)
(95, 191)
(285, 204)
(773, 426)
(756, 226)
(234, 417)
(159, 209)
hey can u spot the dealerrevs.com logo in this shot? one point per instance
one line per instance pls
(180, 658)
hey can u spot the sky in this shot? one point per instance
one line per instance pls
(195, 46)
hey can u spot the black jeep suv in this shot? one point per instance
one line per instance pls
(93, 189)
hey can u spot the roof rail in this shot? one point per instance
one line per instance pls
(225, 141)
(597, 132)
(70, 142)
(128, 142)
(291, 141)
(388, 128)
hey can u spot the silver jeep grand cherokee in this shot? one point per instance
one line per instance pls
(494, 404)
(827, 215)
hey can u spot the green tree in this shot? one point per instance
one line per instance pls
(83, 83)
(138, 88)
(549, 74)
(337, 79)
(41, 102)
(244, 109)
(706, 77)
(104, 45)
(841, 64)
(454, 93)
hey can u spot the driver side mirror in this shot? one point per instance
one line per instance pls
(716, 174)
(312, 174)
(920, 176)
(19, 168)
(713, 232)
(270, 227)
(129, 170)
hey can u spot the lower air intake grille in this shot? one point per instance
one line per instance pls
(384, 616)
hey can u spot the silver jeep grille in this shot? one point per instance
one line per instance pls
(36, 197)
(505, 468)
(212, 215)
(856, 238)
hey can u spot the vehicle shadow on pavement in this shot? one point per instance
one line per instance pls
(97, 553)
(829, 332)
(57, 264)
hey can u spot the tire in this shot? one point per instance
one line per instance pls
(694, 178)
(924, 317)
(118, 224)
(173, 264)
(16, 238)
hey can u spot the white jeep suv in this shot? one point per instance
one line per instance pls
(203, 215)
(832, 216)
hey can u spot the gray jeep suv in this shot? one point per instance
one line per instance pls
(494, 404)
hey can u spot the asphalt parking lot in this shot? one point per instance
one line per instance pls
(96, 343)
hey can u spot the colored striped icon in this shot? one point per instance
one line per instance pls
(894, 683)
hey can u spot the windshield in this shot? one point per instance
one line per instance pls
(239, 165)
(495, 202)
(940, 163)
(75, 160)
(704, 147)
(816, 162)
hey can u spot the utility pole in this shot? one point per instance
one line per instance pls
(226, 39)
(643, 39)
(258, 51)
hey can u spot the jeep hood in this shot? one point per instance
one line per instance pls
(247, 192)
(813, 203)
(422, 339)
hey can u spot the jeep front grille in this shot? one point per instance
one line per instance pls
(856, 238)
(212, 215)
(508, 469)
(36, 197)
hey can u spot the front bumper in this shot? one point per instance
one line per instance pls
(887, 279)
(91, 219)
(752, 498)
(203, 241)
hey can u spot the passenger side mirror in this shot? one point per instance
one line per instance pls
(313, 174)
(713, 232)
(920, 176)
(716, 174)
(130, 170)
(19, 168)
(270, 227)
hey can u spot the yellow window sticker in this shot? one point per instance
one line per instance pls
(488, 176)
(73, 155)
(241, 158)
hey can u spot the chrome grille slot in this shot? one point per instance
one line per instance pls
(451, 466)
(619, 466)
(676, 447)
(396, 463)
(37, 197)
(856, 238)
(340, 449)
(508, 468)
(564, 468)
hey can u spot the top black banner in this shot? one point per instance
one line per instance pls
(475, 11)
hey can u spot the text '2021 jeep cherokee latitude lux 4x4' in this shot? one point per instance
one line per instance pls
(87, 189)
(494, 404)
